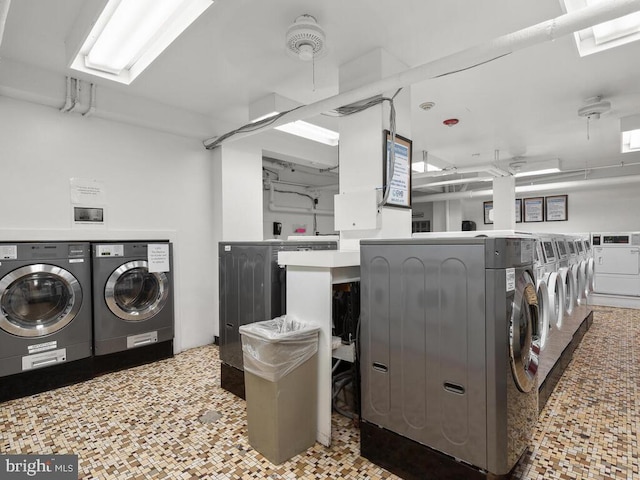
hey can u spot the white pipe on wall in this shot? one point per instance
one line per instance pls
(4, 13)
(543, 187)
(493, 49)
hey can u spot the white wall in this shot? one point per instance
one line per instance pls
(158, 186)
(610, 210)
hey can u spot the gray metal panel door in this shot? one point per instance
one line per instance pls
(245, 295)
(423, 345)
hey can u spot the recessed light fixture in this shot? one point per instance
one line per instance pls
(630, 128)
(603, 36)
(273, 104)
(427, 105)
(130, 34)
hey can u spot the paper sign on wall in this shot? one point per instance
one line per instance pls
(87, 192)
(158, 257)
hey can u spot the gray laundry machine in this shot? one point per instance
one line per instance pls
(45, 305)
(132, 302)
(252, 288)
(448, 355)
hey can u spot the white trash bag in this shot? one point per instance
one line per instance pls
(273, 348)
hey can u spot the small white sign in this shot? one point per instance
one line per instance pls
(158, 257)
(76, 260)
(42, 347)
(511, 279)
(87, 192)
(227, 248)
(526, 252)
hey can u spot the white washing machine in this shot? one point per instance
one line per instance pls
(617, 263)
(590, 270)
(554, 283)
(542, 291)
(564, 270)
(581, 272)
(45, 305)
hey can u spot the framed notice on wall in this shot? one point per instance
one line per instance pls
(488, 211)
(556, 208)
(397, 176)
(533, 209)
(487, 207)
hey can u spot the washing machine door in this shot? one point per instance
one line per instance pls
(524, 339)
(37, 300)
(134, 294)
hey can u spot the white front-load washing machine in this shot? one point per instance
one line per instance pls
(554, 283)
(564, 269)
(133, 302)
(45, 316)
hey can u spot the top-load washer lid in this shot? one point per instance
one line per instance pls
(524, 339)
(38, 300)
(134, 294)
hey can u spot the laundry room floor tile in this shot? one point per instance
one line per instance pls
(172, 420)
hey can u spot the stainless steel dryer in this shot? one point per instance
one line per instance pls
(45, 299)
(133, 298)
(449, 355)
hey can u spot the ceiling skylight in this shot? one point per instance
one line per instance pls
(606, 35)
(129, 35)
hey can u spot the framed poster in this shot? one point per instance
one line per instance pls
(518, 210)
(398, 182)
(555, 208)
(487, 207)
(533, 209)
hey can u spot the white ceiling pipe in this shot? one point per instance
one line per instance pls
(493, 49)
(4, 13)
(543, 187)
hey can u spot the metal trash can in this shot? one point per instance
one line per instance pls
(281, 384)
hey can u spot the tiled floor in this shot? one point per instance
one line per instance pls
(144, 422)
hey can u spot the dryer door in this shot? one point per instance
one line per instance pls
(133, 294)
(39, 299)
(524, 339)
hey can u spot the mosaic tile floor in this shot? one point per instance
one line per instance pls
(144, 422)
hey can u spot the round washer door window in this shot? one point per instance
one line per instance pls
(133, 294)
(524, 339)
(38, 299)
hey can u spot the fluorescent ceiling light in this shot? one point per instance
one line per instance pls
(311, 132)
(542, 171)
(523, 169)
(456, 181)
(630, 128)
(130, 34)
(603, 36)
(273, 104)
(418, 167)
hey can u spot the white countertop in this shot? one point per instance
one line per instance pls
(320, 258)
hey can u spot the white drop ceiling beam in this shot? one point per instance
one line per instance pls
(465, 59)
(4, 12)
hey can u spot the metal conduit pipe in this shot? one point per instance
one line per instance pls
(310, 211)
(456, 62)
(543, 187)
